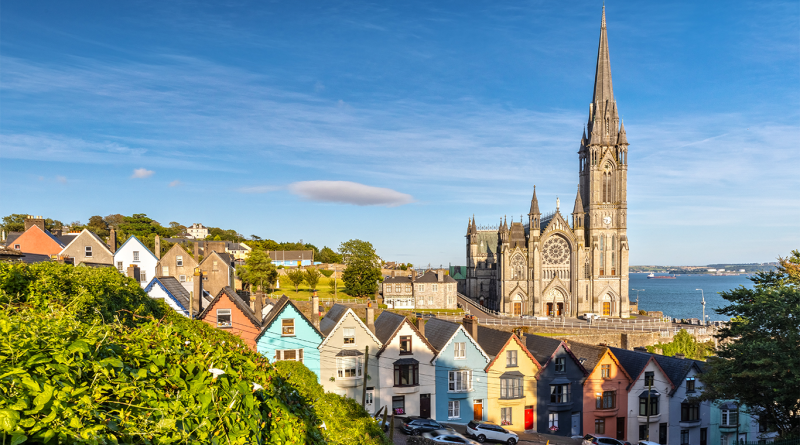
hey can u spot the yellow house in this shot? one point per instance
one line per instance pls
(511, 396)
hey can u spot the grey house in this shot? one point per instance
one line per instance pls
(561, 377)
(689, 418)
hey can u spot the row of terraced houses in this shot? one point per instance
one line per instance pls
(456, 372)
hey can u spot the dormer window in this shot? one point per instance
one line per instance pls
(88, 251)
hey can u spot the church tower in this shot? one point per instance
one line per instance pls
(603, 191)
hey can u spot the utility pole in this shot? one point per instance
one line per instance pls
(364, 370)
(649, 389)
(703, 302)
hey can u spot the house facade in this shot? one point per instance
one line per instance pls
(512, 394)
(292, 258)
(431, 290)
(561, 377)
(177, 263)
(197, 231)
(287, 334)
(689, 418)
(407, 377)
(461, 379)
(171, 292)
(227, 311)
(88, 248)
(36, 240)
(731, 424)
(605, 391)
(343, 355)
(218, 271)
(134, 253)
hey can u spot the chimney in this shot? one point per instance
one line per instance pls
(158, 247)
(258, 304)
(197, 300)
(471, 325)
(315, 309)
(197, 251)
(680, 355)
(640, 349)
(30, 221)
(370, 317)
(440, 274)
(133, 272)
(112, 240)
(421, 325)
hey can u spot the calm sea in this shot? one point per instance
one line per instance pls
(678, 298)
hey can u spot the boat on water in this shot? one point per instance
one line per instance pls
(661, 277)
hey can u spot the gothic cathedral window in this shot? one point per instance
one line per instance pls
(602, 255)
(613, 255)
(607, 184)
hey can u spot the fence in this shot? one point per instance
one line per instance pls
(777, 441)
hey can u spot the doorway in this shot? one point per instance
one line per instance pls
(559, 309)
(621, 428)
(529, 417)
(477, 409)
(517, 309)
(576, 424)
(425, 406)
(662, 433)
(549, 309)
(607, 308)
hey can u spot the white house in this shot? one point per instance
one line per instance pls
(407, 379)
(134, 253)
(198, 231)
(171, 291)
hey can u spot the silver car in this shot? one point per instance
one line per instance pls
(448, 436)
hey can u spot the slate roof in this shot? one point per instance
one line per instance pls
(237, 300)
(291, 255)
(676, 368)
(492, 340)
(397, 280)
(174, 287)
(633, 361)
(387, 324)
(431, 277)
(439, 332)
(541, 347)
(332, 317)
(276, 311)
(30, 258)
(588, 355)
(11, 237)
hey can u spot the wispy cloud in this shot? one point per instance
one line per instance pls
(345, 192)
(61, 179)
(175, 183)
(141, 173)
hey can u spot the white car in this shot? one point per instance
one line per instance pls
(483, 431)
(590, 316)
(447, 436)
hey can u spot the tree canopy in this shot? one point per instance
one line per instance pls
(258, 271)
(362, 272)
(757, 361)
(684, 343)
(297, 277)
(327, 255)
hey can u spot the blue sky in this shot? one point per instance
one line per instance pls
(240, 114)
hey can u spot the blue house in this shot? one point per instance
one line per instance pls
(460, 364)
(287, 334)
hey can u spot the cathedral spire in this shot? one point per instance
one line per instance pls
(603, 91)
(578, 203)
(623, 138)
(534, 203)
(473, 230)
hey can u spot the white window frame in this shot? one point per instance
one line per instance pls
(420, 288)
(387, 289)
(408, 288)
(142, 276)
(354, 364)
(552, 420)
(280, 354)
(454, 409)
(87, 251)
(398, 288)
(352, 332)
(434, 287)
(460, 350)
(369, 399)
(164, 271)
(727, 415)
(459, 381)
(135, 256)
(506, 416)
(182, 278)
(120, 267)
(230, 318)
(430, 299)
(179, 260)
(17, 247)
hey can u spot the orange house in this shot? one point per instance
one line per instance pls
(605, 394)
(227, 311)
(37, 240)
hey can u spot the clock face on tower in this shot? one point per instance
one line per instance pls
(607, 220)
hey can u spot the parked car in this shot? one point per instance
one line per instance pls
(593, 439)
(417, 425)
(590, 316)
(483, 431)
(447, 436)
(647, 442)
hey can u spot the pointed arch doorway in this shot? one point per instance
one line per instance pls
(516, 305)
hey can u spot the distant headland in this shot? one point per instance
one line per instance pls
(710, 269)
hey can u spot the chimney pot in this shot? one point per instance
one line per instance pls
(421, 325)
(370, 316)
(315, 310)
(680, 355)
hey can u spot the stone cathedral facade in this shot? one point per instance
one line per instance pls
(546, 266)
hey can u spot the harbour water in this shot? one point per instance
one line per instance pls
(678, 298)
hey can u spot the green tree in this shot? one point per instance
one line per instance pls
(312, 278)
(757, 361)
(176, 228)
(684, 343)
(362, 272)
(115, 220)
(297, 277)
(258, 271)
(14, 222)
(98, 225)
(327, 255)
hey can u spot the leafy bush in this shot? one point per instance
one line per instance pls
(327, 273)
(90, 293)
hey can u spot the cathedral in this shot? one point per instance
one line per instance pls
(547, 266)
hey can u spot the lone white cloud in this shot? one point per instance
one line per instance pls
(141, 173)
(347, 192)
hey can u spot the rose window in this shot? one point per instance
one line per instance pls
(555, 251)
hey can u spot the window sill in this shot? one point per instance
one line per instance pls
(454, 418)
(512, 366)
(406, 353)
(224, 326)
(512, 398)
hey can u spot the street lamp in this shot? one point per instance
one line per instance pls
(637, 296)
(703, 302)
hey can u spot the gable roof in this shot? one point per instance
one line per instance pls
(290, 255)
(516, 340)
(388, 325)
(328, 327)
(225, 257)
(237, 300)
(94, 236)
(544, 348)
(45, 231)
(492, 340)
(432, 277)
(174, 289)
(676, 369)
(440, 334)
(588, 355)
(276, 310)
(140, 243)
(398, 279)
(635, 363)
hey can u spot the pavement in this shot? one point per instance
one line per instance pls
(524, 438)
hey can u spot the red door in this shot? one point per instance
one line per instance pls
(528, 417)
